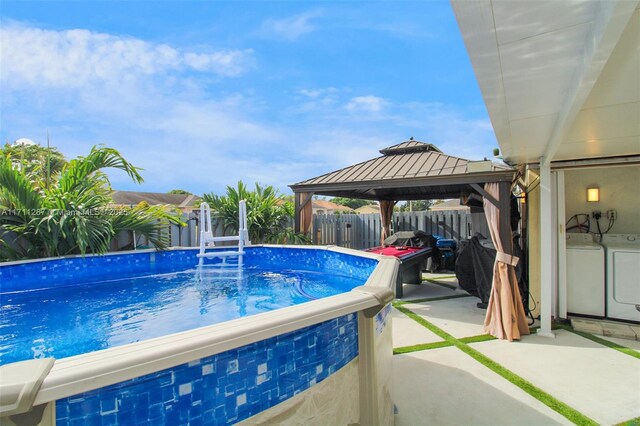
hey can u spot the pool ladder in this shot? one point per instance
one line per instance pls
(227, 270)
(207, 240)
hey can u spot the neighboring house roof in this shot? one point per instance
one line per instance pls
(329, 206)
(449, 205)
(371, 208)
(408, 170)
(127, 198)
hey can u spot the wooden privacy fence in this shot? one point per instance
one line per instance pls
(357, 231)
(181, 236)
(361, 231)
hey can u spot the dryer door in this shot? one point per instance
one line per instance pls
(624, 296)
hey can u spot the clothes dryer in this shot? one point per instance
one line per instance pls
(623, 276)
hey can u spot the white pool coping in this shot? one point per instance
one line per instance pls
(80, 256)
(85, 372)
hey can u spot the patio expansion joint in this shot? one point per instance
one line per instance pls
(440, 344)
(560, 407)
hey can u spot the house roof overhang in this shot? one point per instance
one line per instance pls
(559, 79)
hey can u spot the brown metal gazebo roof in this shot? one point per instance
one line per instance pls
(407, 171)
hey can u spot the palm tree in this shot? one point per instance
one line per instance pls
(70, 216)
(267, 214)
(37, 162)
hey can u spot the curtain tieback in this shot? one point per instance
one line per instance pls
(507, 258)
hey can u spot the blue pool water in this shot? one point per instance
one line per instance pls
(60, 318)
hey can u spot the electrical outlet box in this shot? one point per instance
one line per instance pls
(596, 214)
(612, 214)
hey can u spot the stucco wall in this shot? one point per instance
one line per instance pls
(619, 190)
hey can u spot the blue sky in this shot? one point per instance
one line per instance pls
(202, 94)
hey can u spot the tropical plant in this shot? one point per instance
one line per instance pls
(353, 203)
(267, 214)
(179, 191)
(37, 162)
(415, 206)
(73, 214)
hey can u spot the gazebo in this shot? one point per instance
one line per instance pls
(414, 170)
(410, 170)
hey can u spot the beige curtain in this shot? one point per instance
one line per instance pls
(386, 212)
(505, 317)
(306, 213)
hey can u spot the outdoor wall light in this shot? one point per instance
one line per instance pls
(593, 194)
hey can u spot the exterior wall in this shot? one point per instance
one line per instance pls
(619, 190)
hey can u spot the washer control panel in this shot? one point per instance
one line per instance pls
(621, 239)
(579, 238)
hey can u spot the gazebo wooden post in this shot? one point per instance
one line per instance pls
(505, 217)
(504, 205)
(296, 214)
(301, 200)
(386, 215)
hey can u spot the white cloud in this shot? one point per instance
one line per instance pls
(131, 82)
(290, 28)
(310, 93)
(316, 93)
(366, 103)
(211, 122)
(316, 100)
(74, 58)
(155, 103)
(160, 107)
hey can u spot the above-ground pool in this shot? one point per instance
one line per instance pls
(150, 338)
(79, 312)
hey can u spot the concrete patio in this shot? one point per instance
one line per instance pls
(447, 386)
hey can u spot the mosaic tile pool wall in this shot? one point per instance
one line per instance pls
(59, 272)
(223, 388)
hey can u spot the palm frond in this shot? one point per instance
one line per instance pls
(267, 213)
(150, 221)
(70, 216)
(100, 157)
(16, 191)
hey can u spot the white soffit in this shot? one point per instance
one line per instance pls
(560, 79)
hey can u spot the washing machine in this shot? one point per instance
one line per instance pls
(623, 276)
(585, 276)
